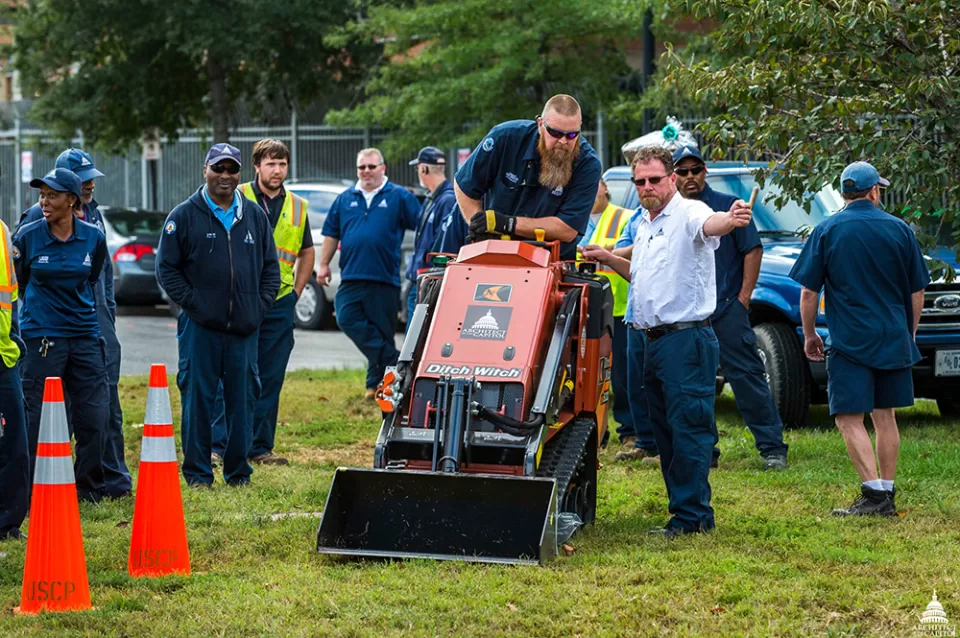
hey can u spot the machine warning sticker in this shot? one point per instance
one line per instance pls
(479, 371)
(482, 322)
(496, 293)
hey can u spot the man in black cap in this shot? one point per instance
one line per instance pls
(217, 260)
(431, 166)
(738, 267)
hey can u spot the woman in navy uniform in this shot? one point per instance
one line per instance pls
(58, 261)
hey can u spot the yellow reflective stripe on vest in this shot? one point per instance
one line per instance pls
(298, 204)
(9, 352)
(286, 257)
(287, 234)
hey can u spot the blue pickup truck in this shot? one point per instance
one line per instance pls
(775, 307)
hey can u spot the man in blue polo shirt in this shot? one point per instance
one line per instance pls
(431, 166)
(368, 222)
(115, 473)
(873, 275)
(526, 175)
(738, 267)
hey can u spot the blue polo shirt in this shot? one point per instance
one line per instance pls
(57, 279)
(870, 264)
(371, 236)
(226, 217)
(733, 246)
(503, 172)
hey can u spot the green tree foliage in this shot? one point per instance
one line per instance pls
(454, 68)
(118, 68)
(815, 84)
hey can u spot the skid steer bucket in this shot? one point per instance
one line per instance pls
(447, 516)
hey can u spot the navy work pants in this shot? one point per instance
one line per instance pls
(680, 372)
(116, 476)
(618, 374)
(640, 413)
(209, 358)
(741, 365)
(81, 363)
(274, 346)
(367, 314)
(14, 456)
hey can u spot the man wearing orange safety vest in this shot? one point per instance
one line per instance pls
(14, 453)
(607, 221)
(287, 214)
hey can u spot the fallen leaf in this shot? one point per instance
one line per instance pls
(137, 426)
(718, 610)
(901, 514)
(511, 607)
(722, 433)
(636, 492)
(284, 424)
(924, 455)
(568, 550)
(123, 524)
(324, 399)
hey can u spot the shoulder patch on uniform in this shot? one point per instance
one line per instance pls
(558, 191)
(171, 227)
(487, 144)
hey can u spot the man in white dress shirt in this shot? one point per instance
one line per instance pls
(673, 293)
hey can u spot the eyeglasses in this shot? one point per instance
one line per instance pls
(694, 170)
(219, 169)
(557, 133)
(367, 167)
(642, 181)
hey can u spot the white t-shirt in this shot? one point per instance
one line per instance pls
(369, 195)
(672, 271)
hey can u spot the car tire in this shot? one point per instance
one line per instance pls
(313, 311)
(787, 372)
(949, 407)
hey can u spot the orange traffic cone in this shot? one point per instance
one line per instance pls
(55, 569)
(159, 543)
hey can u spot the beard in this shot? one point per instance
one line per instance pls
(652, 202)
(556, 166)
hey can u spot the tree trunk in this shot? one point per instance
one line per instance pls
(219, 104)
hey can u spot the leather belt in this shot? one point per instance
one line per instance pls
(653, 334)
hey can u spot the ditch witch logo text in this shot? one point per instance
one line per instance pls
(486, 323)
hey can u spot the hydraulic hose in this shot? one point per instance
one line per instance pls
(508, 424)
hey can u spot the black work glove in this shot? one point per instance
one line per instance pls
(492, 222)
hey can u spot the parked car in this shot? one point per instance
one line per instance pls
(315, 309)
(795, 381)
(132, 239)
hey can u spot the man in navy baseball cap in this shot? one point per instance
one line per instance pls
(860, 176)
(430, 155)
(80, 163)
(223, 151)
(59, 179)
(684, 152)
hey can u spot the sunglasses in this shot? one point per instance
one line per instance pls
(642, 181)
(558, 134)
(219, 169)
(367, 167)
(694, 170)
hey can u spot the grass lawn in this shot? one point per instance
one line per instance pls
(778, 563)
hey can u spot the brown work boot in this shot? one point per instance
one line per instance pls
(370, 394)
(269, 459)
(632, 454)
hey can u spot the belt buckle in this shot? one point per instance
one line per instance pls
(655, 333)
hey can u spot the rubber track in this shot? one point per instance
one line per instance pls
(562, 455)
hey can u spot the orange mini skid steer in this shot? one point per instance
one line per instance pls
(492, 416)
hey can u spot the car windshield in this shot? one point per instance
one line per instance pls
(318, 205)
(127, 222)
(769, 218)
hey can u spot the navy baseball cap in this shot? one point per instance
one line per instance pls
(430, 155)
(684, 152)
(80, 162)
(860, 176)
(220, 152)
(60, 179)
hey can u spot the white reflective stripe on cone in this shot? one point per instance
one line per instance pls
(54, 470)
(158, 407)
(53, 423)
(158, 449)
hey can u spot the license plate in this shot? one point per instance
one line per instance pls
(948, 363)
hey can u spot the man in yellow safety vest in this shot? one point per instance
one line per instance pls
(607, 221)
(287, 214)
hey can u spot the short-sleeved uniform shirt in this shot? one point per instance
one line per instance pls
(672, 270)
(869, 264)
(733, 247)
(57, 279)
(503, 172)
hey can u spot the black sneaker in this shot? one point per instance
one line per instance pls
(871, 503)
(775, 462)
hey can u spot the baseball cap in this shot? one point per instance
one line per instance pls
(430, 155)
(684, 152)
(80, 163)
(59, 179)
(860, 176)
(219, 152)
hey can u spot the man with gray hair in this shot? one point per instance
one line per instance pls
(367, 222)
